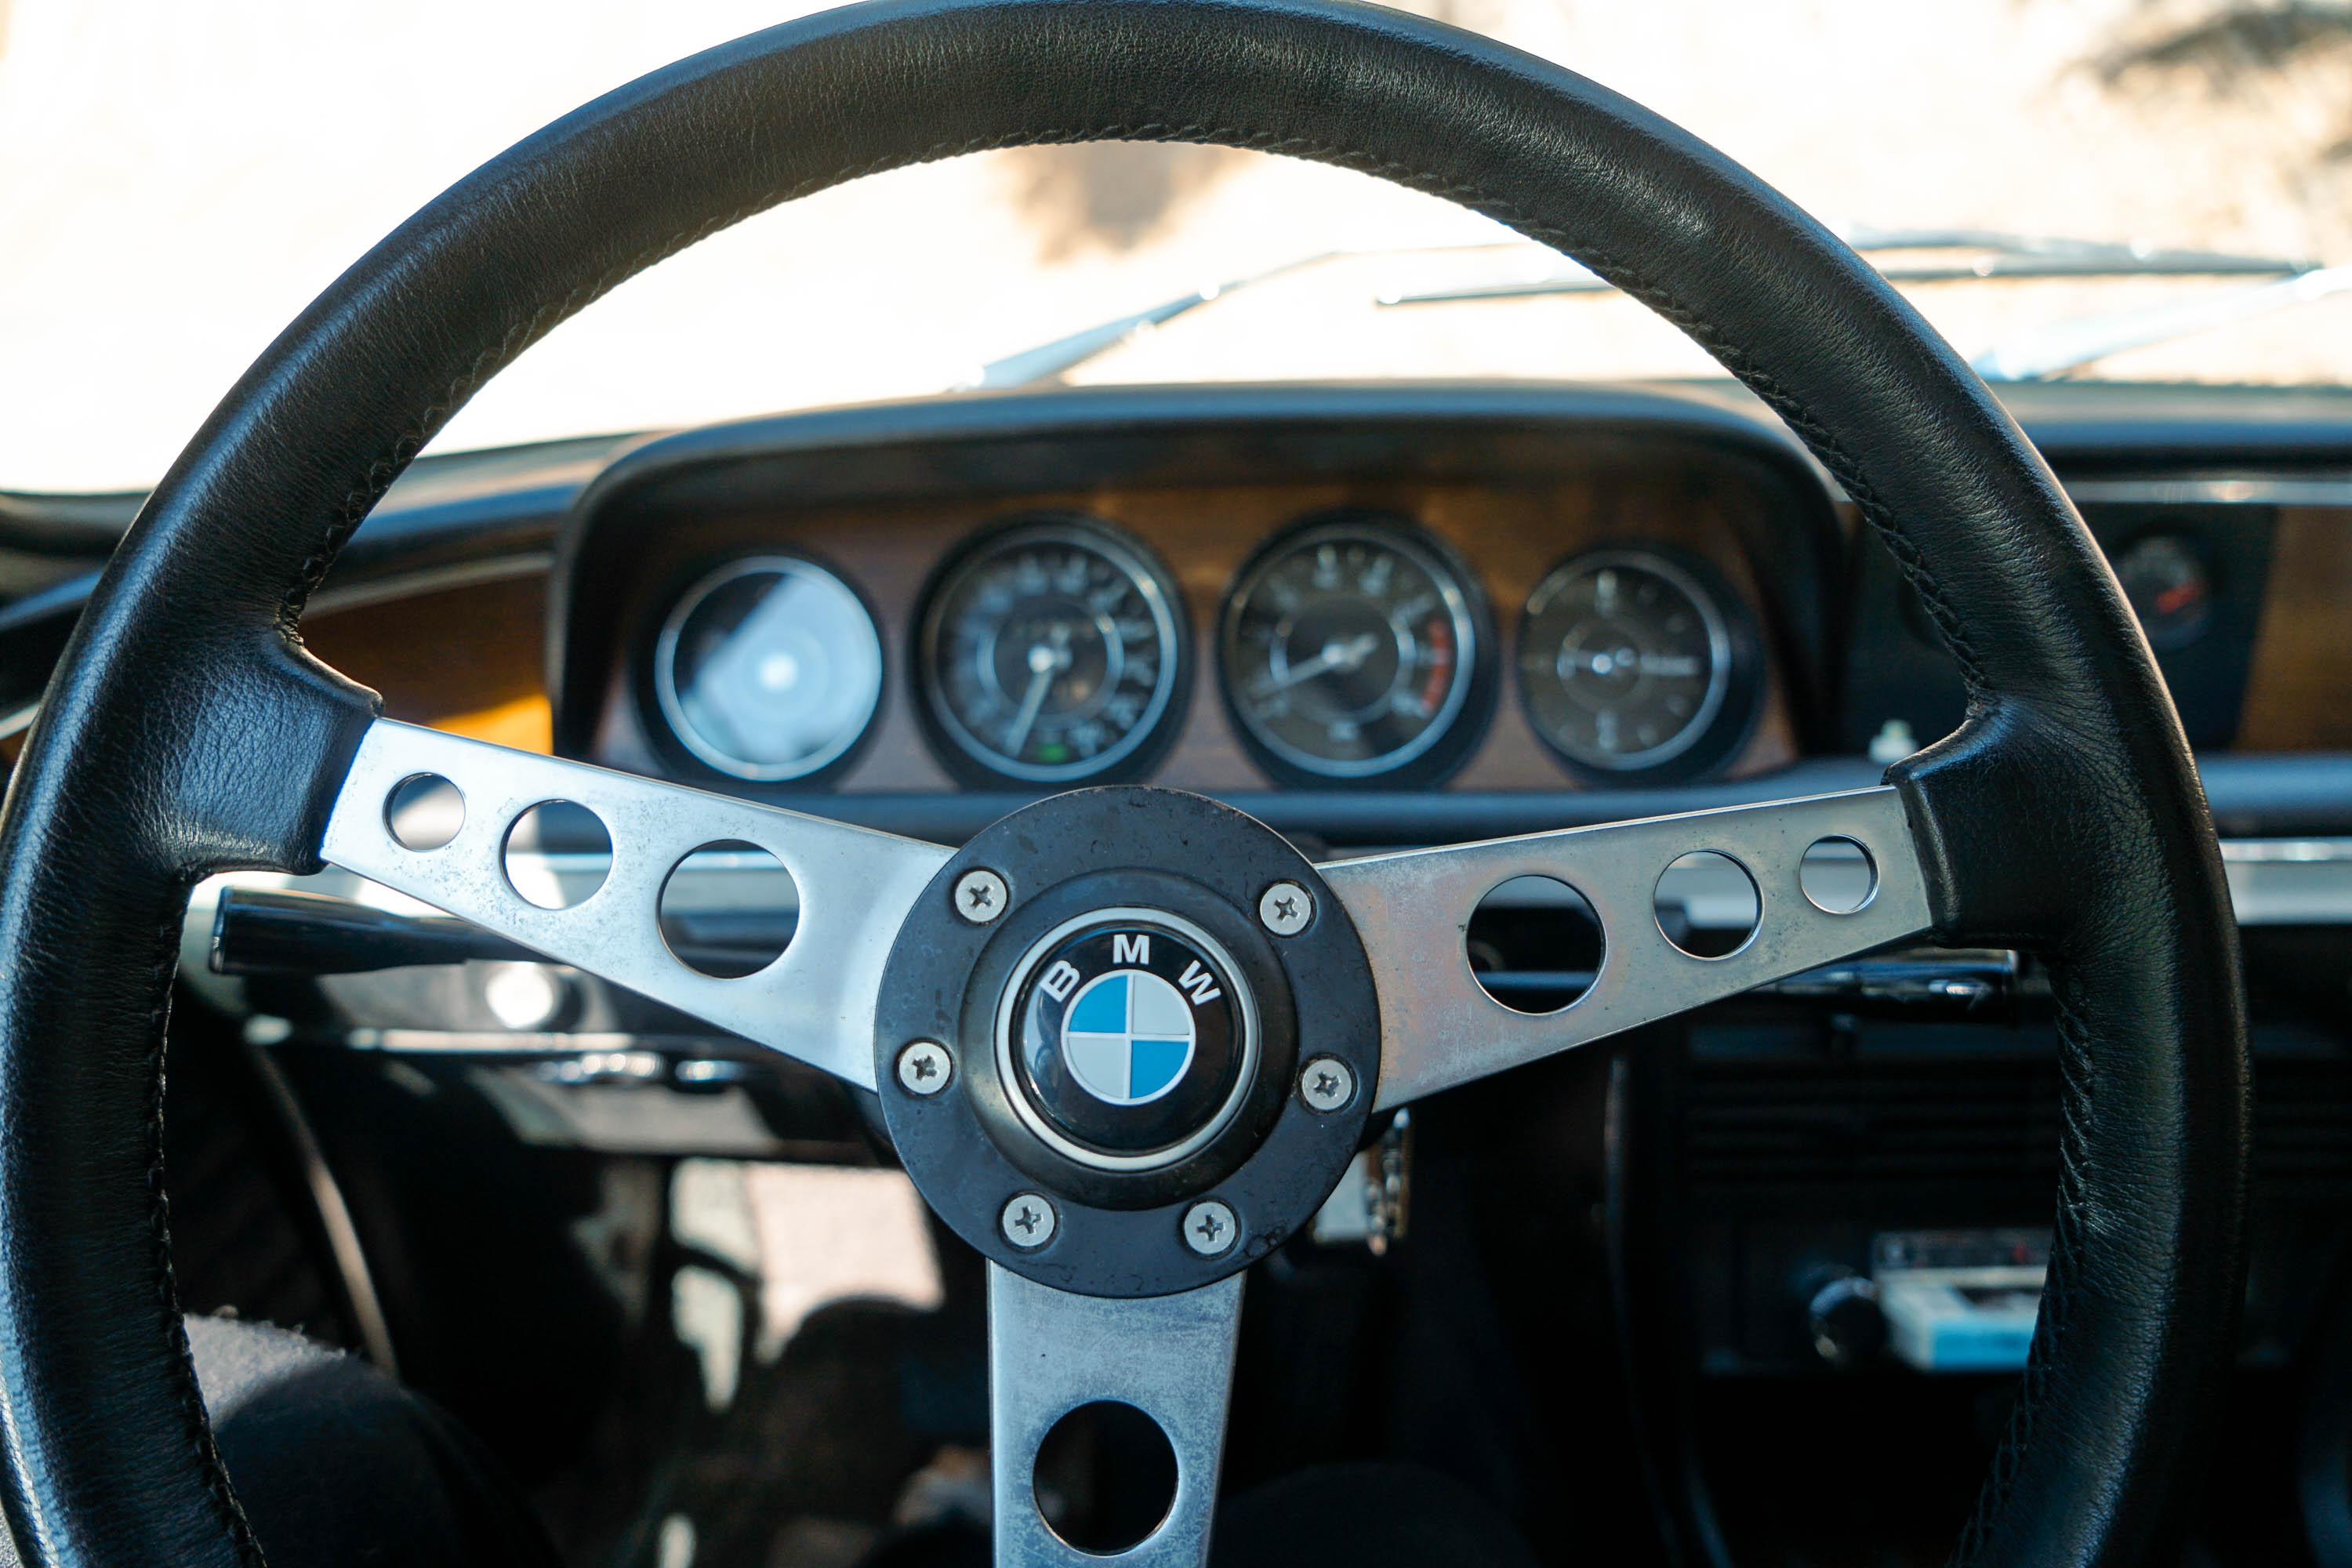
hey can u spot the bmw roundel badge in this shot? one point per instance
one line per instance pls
(1128, 1035)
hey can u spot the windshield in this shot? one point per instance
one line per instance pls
(179, 177)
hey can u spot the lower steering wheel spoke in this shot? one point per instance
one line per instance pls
(1052, 1353)
(1440, 1027)
(815, 1003)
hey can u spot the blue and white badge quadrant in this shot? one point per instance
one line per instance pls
(1128, 1037)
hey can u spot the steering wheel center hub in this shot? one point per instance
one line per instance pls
(1126, 1040)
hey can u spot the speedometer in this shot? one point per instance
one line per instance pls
(1634, 661)
(1051, 652)
(1357, 650)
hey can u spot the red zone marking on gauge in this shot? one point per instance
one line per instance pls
(1440, 637)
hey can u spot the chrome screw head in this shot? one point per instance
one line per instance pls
(1286, 909)
(1027, 1222)
(1326, 1083)
(924, 1067)
(980, 896)
(1210, 1228)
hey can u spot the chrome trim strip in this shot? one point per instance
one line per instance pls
(2217, 492)
(2300, 851)
(2289, 881)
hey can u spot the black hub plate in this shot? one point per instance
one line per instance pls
(1117, 1231)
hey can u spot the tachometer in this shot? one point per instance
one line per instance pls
(1632, 662)
(1357, 650)
(1051, 652)
(767, 669)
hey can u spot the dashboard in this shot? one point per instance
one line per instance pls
(597, 598)
(1318, 605)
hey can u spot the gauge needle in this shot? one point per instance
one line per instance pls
(1340, 656)
(1045, 659)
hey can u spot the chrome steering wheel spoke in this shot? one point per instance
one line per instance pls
(1051, 1351)
(816, 1002)
(1439, 1027)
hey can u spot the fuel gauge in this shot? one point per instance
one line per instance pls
(2165, 579)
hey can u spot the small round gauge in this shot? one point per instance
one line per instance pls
(1357, 650)
(1631, 661)
(769, 669)
(1051, 652)
(2169, 591)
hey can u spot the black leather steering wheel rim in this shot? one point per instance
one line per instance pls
(187, 731)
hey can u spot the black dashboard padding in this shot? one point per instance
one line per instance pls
(185, 730)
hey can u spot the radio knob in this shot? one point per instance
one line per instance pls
(1842, 1320)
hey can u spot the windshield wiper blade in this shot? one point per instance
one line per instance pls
(2055, 246)
(2000, 255)
(2064, 345)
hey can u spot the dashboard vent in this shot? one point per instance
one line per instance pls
(1844, 1124)
(2303, 1121)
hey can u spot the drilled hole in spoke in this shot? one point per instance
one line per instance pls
(730, 909)
(557, 854)
(424, 811)
(1535, 944)
(1105, 1476)
(1838, 876)
(1706, 904)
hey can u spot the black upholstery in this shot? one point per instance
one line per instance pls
(336, 1466)
(186, 732)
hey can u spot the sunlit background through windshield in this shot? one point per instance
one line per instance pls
(178, 177)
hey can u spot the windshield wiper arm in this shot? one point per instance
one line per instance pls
(2000, 255)
(1049, 361)
(2048, 351)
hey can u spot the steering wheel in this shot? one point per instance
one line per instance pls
(1125, 1040)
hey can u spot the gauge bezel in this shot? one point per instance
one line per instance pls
(1727, 714)
(1452, 734)
(674, 737)
(972, 760)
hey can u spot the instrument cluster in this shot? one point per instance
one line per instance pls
(1354, 648)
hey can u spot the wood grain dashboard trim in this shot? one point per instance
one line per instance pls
(2299, 684)
(468, 657)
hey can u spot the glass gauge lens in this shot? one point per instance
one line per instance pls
(768, 668)
(1624, 660)
(2169, 590)
(1052, 653)
(1350, 649)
